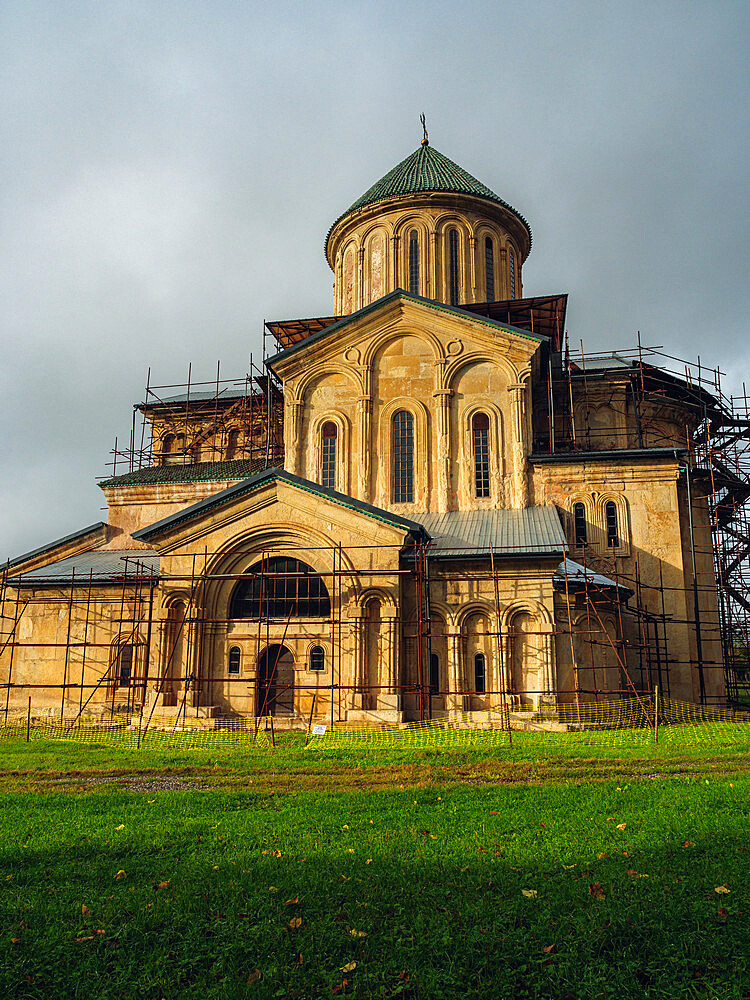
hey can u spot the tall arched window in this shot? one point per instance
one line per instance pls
(281, 588)
(328, 454)
(453, 266)
(167, 444)
(489, 269)
(479, 673)
(579, 524)
(317, 658)
(235, 655)
(512, 265)
(610, 514)
(480, 433)
(434, 674)
(403, 457)
(414, 262)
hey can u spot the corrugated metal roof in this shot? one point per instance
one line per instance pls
(474, 533)
(102, 566)
(573, 574)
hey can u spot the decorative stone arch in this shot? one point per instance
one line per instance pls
(325, 645)
(444, 611)
(465, 458)
(375, 267)
(349, 278)
(388, 602)
(529, 653)
(480, 232)
(422, 462)
(455, 364)
(378, 344)
(318, 371)
(285, 539)
(623, 521)
(343, 450)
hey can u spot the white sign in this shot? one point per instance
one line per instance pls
(319, 730)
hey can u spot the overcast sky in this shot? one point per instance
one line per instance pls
(169, 171)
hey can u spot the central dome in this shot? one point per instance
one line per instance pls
(430, 227)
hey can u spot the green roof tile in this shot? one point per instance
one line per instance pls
(426, 169)
(198, 472)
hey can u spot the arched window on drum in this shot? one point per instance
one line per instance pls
(480, 439)
(414, 262)
(403, 457)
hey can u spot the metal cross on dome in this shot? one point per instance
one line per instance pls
(425, 140)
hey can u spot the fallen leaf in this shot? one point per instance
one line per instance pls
(357, 934)
(254, 976)
(596, 891)
(120, 827)
(294, 923)
(529, 893)
(350, 850)
(549, 948)
(601, 854)
(349, 967)
(621, 826)
(630, 871)
(291, 902)
(346, 878)
(404, 976)
(121, 874)
(340, 987)
(568, 866)
(688, 843)
(300, 960)
(18, 940)
(80, 940)
(99, 931)
(84, 910)
(369, 861)
(722, 889)
(272, 888)
(722, 912)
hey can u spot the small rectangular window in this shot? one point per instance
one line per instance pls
(479, 673)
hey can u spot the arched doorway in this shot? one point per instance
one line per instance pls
(275, 689)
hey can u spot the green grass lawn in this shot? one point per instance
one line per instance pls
(440, 875)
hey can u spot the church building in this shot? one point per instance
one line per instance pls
(425, 508)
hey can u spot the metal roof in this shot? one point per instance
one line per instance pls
(81, 533)
(426, 169)
(197, 510)
(575, 573)
(195, 472)
(470, 534)
(228, 394)
(100, 566)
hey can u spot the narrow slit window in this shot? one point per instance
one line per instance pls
(328, 455)
(480, 432)
(125, 665)
(434, 674)
(613, 535)
(489, 268)
(234, 660)
(479, 673)
(414, 262)
(317, 658)
(453, 266)
(579, 524)
(512, 264)
(403, 457)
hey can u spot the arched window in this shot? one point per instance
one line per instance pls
(328, 455)
(124, 666)
(453, 266)
(480, 432)
(317, 658)
(282, 588)
(610, 514)
(414, 262)
(512, 264)
(479, 673)
(235, 655)
(233, 440)
(489, 269)
(167, 444)
(434, 674)
(579, 524)
(403, 457)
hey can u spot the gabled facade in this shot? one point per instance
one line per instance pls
(424, 535)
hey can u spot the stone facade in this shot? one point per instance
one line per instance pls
(405, 410)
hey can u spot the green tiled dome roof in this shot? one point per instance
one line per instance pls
(426, 169)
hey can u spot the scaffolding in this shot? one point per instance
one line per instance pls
(616, 626)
